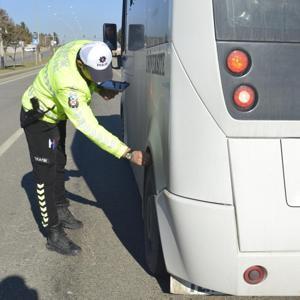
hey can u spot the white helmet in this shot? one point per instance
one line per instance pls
(97, 57)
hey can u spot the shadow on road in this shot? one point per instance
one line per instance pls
(29, 186)
(14, 288)
(113, 185)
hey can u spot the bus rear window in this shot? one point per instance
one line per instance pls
(257, 20)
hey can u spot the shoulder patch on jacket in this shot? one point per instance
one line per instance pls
(73, 100)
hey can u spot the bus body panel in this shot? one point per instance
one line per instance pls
(135, 136)
(175, 108)
(134, 72)
(192, 234)
(146, 101)
(158, 102)
(200, 245)
(291, 164)
(148, 104)
(199, 162)
(207, 82)
(265, 221)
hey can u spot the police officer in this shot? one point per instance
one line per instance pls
(62, 90)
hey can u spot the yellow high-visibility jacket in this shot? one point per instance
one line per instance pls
(59, 83)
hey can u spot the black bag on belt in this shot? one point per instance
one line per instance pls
(33, 115)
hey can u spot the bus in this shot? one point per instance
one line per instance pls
(214, 98)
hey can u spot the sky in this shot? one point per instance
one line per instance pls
(71, 19)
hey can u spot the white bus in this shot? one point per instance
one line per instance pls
(214, 97)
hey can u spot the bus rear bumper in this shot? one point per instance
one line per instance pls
(200, 245)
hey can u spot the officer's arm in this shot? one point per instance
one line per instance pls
(82, 117)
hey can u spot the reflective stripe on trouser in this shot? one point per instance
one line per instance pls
(40, 189)
(46, 144)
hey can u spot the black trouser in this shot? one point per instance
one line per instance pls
(46, 144)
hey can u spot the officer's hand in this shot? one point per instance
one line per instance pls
(107, 94)
(140, 158)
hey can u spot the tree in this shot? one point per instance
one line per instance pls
(45, 39)
(13, 33)
(7, 28)
(8, 35)
(4, 19)
(26, 34)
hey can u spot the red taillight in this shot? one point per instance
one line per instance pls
(255, 274)
(244, 97)
(238, 62)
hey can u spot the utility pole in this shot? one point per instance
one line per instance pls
(36, 42)
(2, 65)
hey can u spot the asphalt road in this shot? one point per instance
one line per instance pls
(104, 196)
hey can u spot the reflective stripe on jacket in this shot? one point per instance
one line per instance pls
(59, 83)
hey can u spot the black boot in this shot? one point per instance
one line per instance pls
(58, 241)
(66, 218)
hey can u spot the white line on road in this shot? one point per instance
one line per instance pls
(10, 141)
(20, 77)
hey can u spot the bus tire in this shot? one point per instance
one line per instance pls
(123, 132)
(153, 249)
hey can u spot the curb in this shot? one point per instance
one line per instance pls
(25, 70)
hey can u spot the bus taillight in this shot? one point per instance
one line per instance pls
(244, 97)
(238, 62)
(255, 275)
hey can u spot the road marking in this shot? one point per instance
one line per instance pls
(20, 77)
(10, 141)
